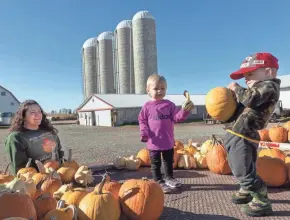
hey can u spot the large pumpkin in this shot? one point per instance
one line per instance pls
(70, 163)
(216, 158)
(74, 196)
(141, 199)
(43, 204)
(62, 212)
(273, 171)
(26, 169)
(105, 205)
(111, 186)
(16, 204)
(272, 152)
(220, 103)
(144, 156)
(264, 135)
(51, 185)
(278, 134)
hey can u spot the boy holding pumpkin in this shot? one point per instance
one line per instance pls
(255, 107)
(156, 120)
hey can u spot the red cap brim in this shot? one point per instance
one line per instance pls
(239, 74)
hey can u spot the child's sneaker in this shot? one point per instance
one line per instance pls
(172, 182)
(242, 197)
(166, 189)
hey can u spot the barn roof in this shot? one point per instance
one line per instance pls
(135, 100)
(10, 93)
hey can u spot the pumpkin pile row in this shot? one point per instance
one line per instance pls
(278, 133)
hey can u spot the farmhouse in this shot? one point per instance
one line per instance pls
(118, 109)
(8, 102)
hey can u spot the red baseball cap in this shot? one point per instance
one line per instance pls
(254, 62)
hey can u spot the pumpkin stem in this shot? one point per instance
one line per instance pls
(40, 166)
(74, 211)
(144, 178)
(190, 142)
(69, 157)
(28, 163)
(100, 188)
(7, 167)
(60, 204)
(54, 155)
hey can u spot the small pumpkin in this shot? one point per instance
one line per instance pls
(144, 156)
(42, 175)
(74, 196)
(61, 212)
(43, 204)
(119, 162)
(70, 163)
(217, 158)
(18, 185)
(22, 203)
(272, 152)
(264, 135)
(51, 185)
(220, 103)
(4, 177)
(186, 160)
(66, 174)
(84, 176)
(61, 191)
(106, 206)
(175, 158)
(132, 163)
(26, 169)
(190, 148)
(54, 162)
(111, 186)
(273, 171)
(287, 125)
(200, 160)
(179, 145)
(141, 199)
(278, 134)
(206, 147)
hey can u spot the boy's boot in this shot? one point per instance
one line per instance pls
(260, 205)
(242, 197)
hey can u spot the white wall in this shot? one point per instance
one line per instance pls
(7, 102)
(285, 98)
(103, 118)
(94, 104)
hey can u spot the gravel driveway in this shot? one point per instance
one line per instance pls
(103, 144)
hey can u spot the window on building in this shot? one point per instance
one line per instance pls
(12, 103)
(3, 93)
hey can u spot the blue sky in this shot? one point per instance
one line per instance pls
(198, 42)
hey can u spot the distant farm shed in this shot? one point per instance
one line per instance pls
(8, 102)
(118, 109)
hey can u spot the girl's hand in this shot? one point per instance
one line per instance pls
(188, 104)
(144, 139)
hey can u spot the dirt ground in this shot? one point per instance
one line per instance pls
(204, 195)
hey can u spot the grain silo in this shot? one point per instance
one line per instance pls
(105, 63)
(124, 58)
(144, 49)
(89, 67)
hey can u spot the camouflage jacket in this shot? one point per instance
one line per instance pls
(255, 107)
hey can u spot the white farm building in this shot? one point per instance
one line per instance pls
(285, 91)
(118, 109)
(8, 102)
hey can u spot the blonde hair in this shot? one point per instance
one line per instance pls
(155, 78)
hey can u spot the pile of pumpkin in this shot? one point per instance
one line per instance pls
(61, 192)
(278, 133)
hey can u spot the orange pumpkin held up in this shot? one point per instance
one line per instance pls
(216, 158)
(220, 103)
(278, 134)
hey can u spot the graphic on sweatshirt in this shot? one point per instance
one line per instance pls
(48, 145)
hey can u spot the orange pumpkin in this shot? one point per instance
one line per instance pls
(42, 175)
(287, 125)
(66, 174)
(144, 156)
(176, 157)
(273, 171)
(4, 177)
(220, 103)
(21, 203)
(74, 196)
(272, 152)
(178, 145)
(70, 163)
(264, 135)
(26, 169)
(51, 185)
(278, 134)
(62, 212)
(111, 186)
(106, 206)
(216, 158)
(141, 199)
(43, 204)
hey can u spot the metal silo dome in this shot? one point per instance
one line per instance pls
(144, 49)
(105, 63)
(91, 42)
(124, 58)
